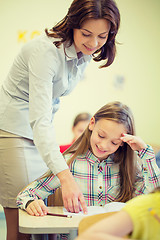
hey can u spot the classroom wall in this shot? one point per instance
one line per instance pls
(133, 78)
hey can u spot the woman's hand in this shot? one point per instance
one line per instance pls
(73, 198)
(37, 208)
(135, 142)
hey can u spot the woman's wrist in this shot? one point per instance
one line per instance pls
(64, 176)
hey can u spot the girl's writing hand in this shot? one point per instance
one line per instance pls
(135, 142)
(37, 208)
(73, 198)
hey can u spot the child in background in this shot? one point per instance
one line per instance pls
(103, 163)
(80, 123)
(140, 218)
(158, 159)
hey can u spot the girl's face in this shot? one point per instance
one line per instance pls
(105, 137)
(92, 35)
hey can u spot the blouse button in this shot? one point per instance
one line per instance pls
(100, 187)
(145, 169)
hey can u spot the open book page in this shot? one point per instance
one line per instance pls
(114, 206)
(92, 210)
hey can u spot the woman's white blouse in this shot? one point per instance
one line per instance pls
(29, 96)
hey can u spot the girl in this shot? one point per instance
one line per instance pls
(140, 218)
(47, 68)
(102, 162)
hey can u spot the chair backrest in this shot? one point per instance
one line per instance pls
(56, 198)
(88, 221)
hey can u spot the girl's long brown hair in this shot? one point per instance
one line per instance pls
(157, 189)
(119, 113)
(81, 10)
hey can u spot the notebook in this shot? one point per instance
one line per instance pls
(92, 210)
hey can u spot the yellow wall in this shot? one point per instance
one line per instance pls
(137, 62)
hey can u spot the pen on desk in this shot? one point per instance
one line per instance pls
(153, 213)
(59, 215)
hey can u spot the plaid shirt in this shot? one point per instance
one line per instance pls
(98, 181)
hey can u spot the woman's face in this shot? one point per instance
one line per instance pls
(105, 137)
(92, 35)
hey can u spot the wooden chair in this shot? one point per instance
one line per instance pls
(55, 199)
(88, 221)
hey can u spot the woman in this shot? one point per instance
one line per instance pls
(47, 68)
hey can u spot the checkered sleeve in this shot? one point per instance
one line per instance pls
(149, 176)
(39, 189)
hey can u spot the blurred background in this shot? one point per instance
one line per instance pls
(133, 78)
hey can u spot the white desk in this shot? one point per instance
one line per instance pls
(49, 224)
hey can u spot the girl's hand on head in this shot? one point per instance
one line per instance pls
(37, 208)
(135, 142)
(73, 198)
